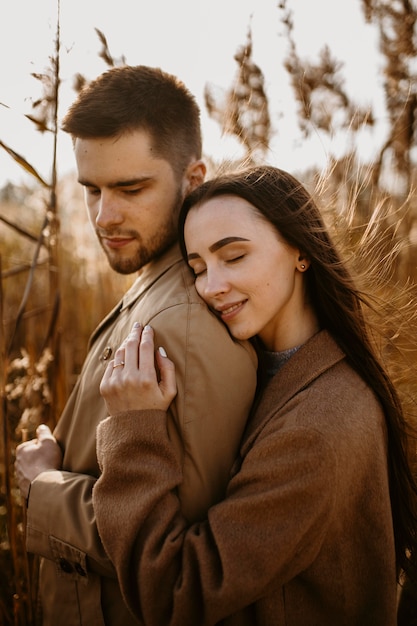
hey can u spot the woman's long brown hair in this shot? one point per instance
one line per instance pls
(286, 204)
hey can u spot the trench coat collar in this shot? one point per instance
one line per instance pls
(147, 276)
(316, 356)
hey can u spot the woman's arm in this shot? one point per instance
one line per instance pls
(175, 573)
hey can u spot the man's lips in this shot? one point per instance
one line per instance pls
(116, 242)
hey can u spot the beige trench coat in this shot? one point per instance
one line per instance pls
(216, 385)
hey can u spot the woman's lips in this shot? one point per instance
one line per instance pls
(229, 311)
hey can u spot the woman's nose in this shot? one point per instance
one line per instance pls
(215, 284)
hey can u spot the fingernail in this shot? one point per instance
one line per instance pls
(162, 352)
(148, 327)
(137, 325)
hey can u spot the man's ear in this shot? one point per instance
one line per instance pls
(194, 176)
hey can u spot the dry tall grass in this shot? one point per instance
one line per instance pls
(38, 375)
(55, 284)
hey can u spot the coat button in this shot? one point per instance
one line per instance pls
(80, 570)
(65, 566)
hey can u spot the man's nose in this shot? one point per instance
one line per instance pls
(108, 213)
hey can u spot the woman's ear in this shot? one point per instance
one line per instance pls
(303, 263)
(194, 176)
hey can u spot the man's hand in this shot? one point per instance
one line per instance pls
(36, 456)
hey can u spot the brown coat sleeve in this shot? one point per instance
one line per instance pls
(175, 574)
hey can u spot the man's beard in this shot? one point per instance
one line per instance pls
(143, 255)
(145, 252)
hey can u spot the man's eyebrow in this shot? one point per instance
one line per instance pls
(118, 183)
(217, 245)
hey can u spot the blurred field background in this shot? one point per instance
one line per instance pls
(56, 285)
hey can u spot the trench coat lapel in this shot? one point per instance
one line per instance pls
(319, 354)
(146, 278)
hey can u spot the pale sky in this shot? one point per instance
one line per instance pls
(194, 39)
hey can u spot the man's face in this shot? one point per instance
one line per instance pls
(132, 198)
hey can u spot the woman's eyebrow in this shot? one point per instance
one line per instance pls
(225, 242)
(216, 246)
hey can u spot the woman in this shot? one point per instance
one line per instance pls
(319, 513)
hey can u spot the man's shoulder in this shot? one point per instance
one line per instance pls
(174, 286)
(170, 303)
(178, 283)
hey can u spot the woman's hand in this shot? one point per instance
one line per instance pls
(131, 380)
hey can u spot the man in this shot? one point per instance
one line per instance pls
(137, 143)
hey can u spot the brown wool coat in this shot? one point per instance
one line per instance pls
(78, 585)
(304, 536)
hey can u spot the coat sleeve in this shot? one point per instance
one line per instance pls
(174, 573)
(216, 379)
(61, 524)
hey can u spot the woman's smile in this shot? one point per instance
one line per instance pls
(228, 311)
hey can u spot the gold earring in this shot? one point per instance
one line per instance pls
(302, 266)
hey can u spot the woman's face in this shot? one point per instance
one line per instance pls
(246, 272)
